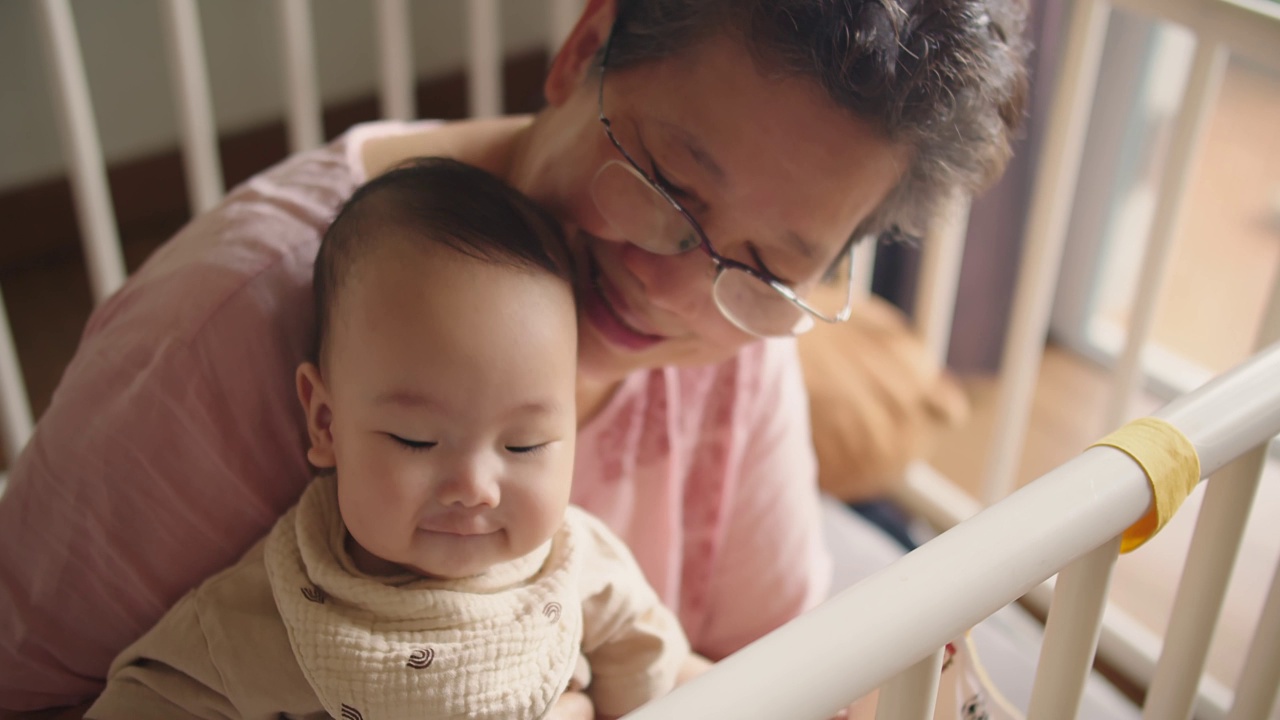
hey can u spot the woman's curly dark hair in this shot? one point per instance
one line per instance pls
(945, 77)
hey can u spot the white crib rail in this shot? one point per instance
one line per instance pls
(15, 409)
(74, 112)
(1260, 680)
(912, 693)
(940, 276)
(1192, 120)
(1059, 166)
(864, 636)
(298, 61)
(484, 76)
(190, 79)
(395, 60)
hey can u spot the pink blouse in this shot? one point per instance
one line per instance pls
(174, 441)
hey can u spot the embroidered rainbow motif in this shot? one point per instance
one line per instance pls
(315, 594)
(350, 713)
(421, 659)
(551, 611)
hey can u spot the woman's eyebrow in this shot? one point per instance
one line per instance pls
(696, 151)
(703, 158)
(798, 243)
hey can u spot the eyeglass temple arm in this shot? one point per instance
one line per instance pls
(839, 317)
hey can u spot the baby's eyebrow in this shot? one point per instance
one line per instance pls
(534, 407)
(406, 398)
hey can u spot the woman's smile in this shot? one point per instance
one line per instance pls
(605, 307)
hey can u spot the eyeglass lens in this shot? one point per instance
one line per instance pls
(630, 204)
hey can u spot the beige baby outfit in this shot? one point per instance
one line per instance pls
(296, 630)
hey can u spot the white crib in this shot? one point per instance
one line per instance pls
(887, 631)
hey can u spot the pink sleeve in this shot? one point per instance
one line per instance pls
(173, 441)
(772, 563)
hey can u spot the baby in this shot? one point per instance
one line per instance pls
(433, 569)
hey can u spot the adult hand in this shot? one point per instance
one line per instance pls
(877, 400)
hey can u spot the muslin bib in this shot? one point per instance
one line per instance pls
(499, 645)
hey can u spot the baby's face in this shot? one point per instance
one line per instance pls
(450, 385)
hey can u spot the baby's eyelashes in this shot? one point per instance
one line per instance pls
(526, 449)
(416, 445)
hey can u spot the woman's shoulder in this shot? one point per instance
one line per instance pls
(373, 148)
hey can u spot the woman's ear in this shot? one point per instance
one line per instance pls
(315, 403)
(579, 50)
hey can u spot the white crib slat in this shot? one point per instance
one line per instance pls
(1214, 548)
(1071, 634)
(1192, 121)
(562, 16)
(1127, 645)
(484, 59)
(1201, 590)
(15, 408)
(912, 693)
(940, 275)
(88, 175)
(1260, 680)
(395, 60)
(1046, 229)
(190, 79)
(864, 265)
(298, 59)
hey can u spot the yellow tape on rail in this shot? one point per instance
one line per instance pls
(1172, 467)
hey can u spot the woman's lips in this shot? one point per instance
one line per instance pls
(601, 303)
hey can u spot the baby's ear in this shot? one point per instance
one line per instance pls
(315, 403)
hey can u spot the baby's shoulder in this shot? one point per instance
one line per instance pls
(600, 555)
(240, 594)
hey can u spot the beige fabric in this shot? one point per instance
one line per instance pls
(224, 651)
(411, 647)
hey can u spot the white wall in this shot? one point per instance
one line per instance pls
(125, 62)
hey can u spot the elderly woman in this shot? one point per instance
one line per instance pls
(712, 162)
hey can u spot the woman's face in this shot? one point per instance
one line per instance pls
(776, 175)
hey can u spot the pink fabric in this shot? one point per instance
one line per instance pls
(175, 440)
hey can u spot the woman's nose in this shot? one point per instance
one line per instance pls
(470, 484)
(679, 284)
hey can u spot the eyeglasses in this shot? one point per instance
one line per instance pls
(643, 211)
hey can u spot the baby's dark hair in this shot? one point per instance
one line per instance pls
(442, 201)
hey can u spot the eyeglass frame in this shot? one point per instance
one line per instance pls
(722, 263)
